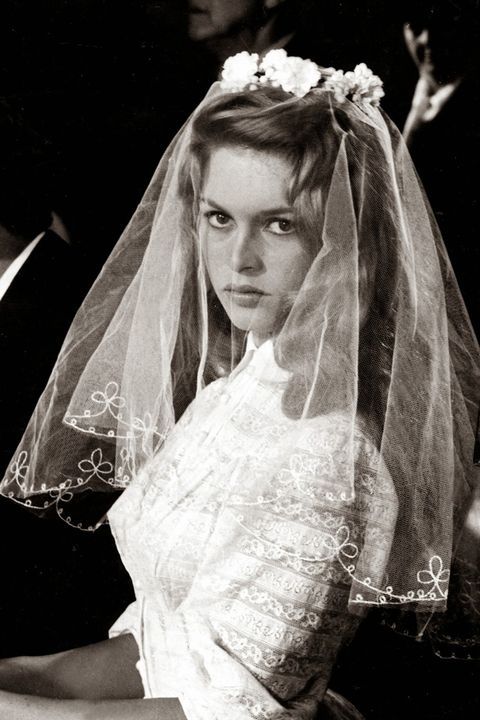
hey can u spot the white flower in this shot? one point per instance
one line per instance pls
(360, 85)
(294, 75)
(366, 88)
(240, 72)
(273, 61)
(297, 76)
(339, 84)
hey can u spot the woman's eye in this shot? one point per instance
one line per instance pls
(217, 219)
(281, 226)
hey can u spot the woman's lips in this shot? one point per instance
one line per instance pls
(244, 295)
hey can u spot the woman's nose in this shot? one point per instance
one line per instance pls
(245, 251)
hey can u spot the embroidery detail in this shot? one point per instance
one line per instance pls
(19, 469)
(111, 404)
(434, 576)
(96, 466)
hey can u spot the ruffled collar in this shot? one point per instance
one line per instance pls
(260, 362)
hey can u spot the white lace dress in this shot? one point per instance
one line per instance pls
(241, 565)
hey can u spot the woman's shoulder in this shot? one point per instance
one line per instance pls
(348, 445)
(336, 431)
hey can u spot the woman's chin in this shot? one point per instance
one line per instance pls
(242, 320)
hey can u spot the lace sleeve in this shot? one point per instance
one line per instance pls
(258, 633)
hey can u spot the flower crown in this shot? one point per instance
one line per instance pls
(245, 71)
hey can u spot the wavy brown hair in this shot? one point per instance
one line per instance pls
(307, 132)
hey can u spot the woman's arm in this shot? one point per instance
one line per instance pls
(96, 682)
(105, 670)
(26, 707)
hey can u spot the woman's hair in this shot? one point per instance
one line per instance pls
(306, 132)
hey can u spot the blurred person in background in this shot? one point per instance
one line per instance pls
(47, 568)
(39, 289)
(442, 129)
(93, 77)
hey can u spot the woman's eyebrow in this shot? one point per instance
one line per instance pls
(213, 204)
(277, 211)
(209, 201)
(263, 213)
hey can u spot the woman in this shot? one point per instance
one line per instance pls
(284, 273)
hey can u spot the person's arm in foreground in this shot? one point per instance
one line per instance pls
(96, 681)
(26, 707)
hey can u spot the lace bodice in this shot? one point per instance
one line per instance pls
(240, 550)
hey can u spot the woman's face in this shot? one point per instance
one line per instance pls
(255, 259)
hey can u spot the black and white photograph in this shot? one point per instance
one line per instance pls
(240, 369)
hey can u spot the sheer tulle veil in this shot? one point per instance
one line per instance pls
(377, 338)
